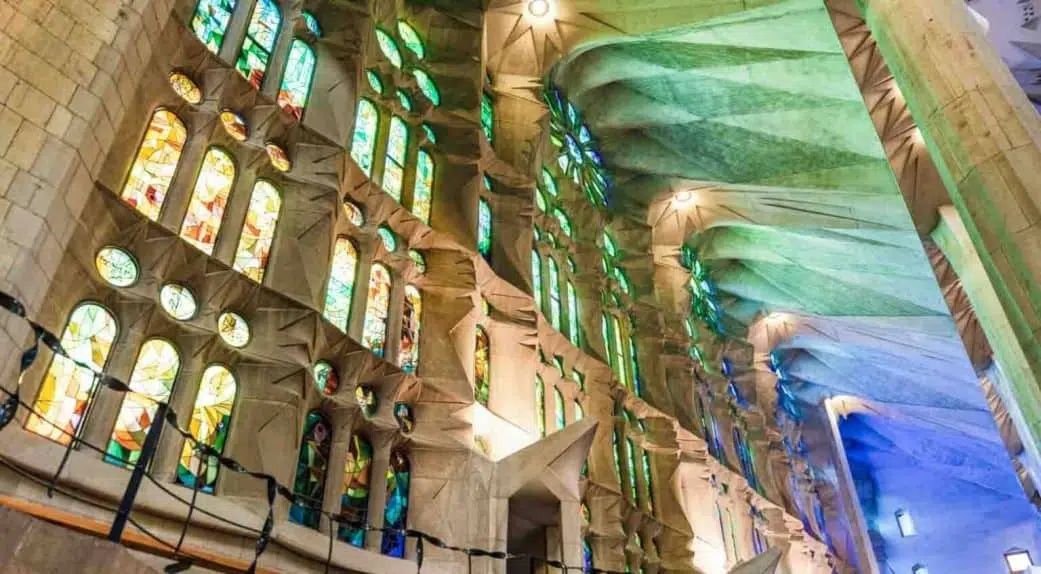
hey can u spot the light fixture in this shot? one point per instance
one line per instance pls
(905, 523)
(919, 569)
(683, 198)
(1018, 560)
(539, 8)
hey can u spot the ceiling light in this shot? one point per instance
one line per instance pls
(684, 197)
(539, 8)
(1018, 560)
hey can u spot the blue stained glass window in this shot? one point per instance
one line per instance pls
(259, 42)
(395, 513)
(311, 469)
(340, 290)
(390, 242)
(411, 39)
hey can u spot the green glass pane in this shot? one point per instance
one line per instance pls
(487, 117)
(394, 167)
(484, 228)
(562, 219)
(406, 101)
(260, 40)
(296, 83)
(389, 47)
(411, 39)
(431, 135)
(363, 144)
(427, 86)
(374, 81)
(549, 182)
(210, 22)
(423, 191)
(312, 23)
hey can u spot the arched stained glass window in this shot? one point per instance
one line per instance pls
(647, 480)
(374, 335)
(615, 347)
(554, 293)
(411, 39)
(375, 81)
(156, 163)
(422, 193)
(259, 42)
(296, 82)
(484, 228)
(389, 47)
(562, 219)
(536, 277)
(558, 405)
(411, 323)
(429, 131)
(312, 23)
(631, 459)
(540, 200)
(66, 392)
(154, 375)
(395, 513)
(617, 456)
(210, 22)
(311, 469)
(394, 168)
(634, 366)
(587, 556)
(482, 366)
(258, 231)
(488, 117)
(580, 413)
(357, 480)
(363, 144)
(209, 200)
(427, 86)
(211, 417)
(540, 406)
(572, 314)
(744, 455)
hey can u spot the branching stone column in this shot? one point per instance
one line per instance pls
(986, 140)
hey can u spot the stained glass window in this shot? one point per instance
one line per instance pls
(577, 153)
(484, 228)
(418, 259)
(427, 86)
(340, 290)
(619, 352)
(554, 293)
(572, 314)
(482, 366)
(562, 219)
(210, 422)
(540, 201)
(326, 379)
(210, 22)
(209, 199)
(631, 451)
(312, 23)
(430, 133)
(156, 163)
(353, 213)
(536, 277)
(116, 266)
(65, 393)
(394, 168)
(745, 458)
(389, 47)
(411, 39)
(390, 242)
(178, 301)
(186, 88)
(235, 125)
(363, 145)
(617, 456)
(311, 469)
(558, 404)
(487, 117)
(549, 182)
(233, 329)
(357, 480)
(374, 336)
(260, 40)
(623, 280)
(258, 231)
(375, 82)
(580, 413)
(587, 556)
(405, 99)
(408, 356)
(579, 379)
(296, 82)
(278, 157)
(423, 191)
(153, 376)
(647, 480)
(540, 406)
(395, 513)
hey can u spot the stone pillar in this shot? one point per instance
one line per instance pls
(986, 140)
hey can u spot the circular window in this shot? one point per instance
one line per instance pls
(233, 329)
(325, 378)
(390, 243)
(178, 301)
(116, 266)
(186, 88)
(235, 125)
(278, 156)
(406, 420)
(367, 400)
(354, 214)
(418, 259)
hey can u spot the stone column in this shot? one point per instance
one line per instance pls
(986, 140)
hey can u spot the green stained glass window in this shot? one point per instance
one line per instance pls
(431, 135)
(487, 117)
(375, 82)
(558, 405)
(618, 352)
(418, 260)
(156, 162)
(259, 42)
(405, 99)
(634, 366)
(549, 182)
(374, 333)
(312, 466)
(537, 233)
(605, 331)
(572, 314)
(340, 290)
(562, 219)
(390, 242)
(536, 277)
(631, 451)
(363, 144)
(554, 293)
(66, 390)
(354, 500)
(540, 200)
(411, 322)
(210, 421)
(151, 381)
(389, 47)
(647, 480)
(484, 228)
(617, 456)
(609, 246)
(258, 231)
(540, 406)
(571, 265)
(312, 23)
(116, 266)
(623, 280)
(210, 22)
(579, 378)
(427, 86)
(423, 191)
(482, 366)
(296, 83)
(209, 199)
(487, 182)
(411, 39)
(394, 168)
(579, 412)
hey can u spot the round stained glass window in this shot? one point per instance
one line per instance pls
(326, 378)
(116, 266)
(374, 81)
(235, 125)
(411, 38)
(367, 400)
(389, 47)
(406, 101)
(390, 243)
(278, 156)
(178, 301)
(354, 214)
(427, 86)
(186, 88)
(418, 259)
(233, 329)
(406, 420)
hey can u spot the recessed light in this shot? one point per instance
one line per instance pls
(538, 8)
